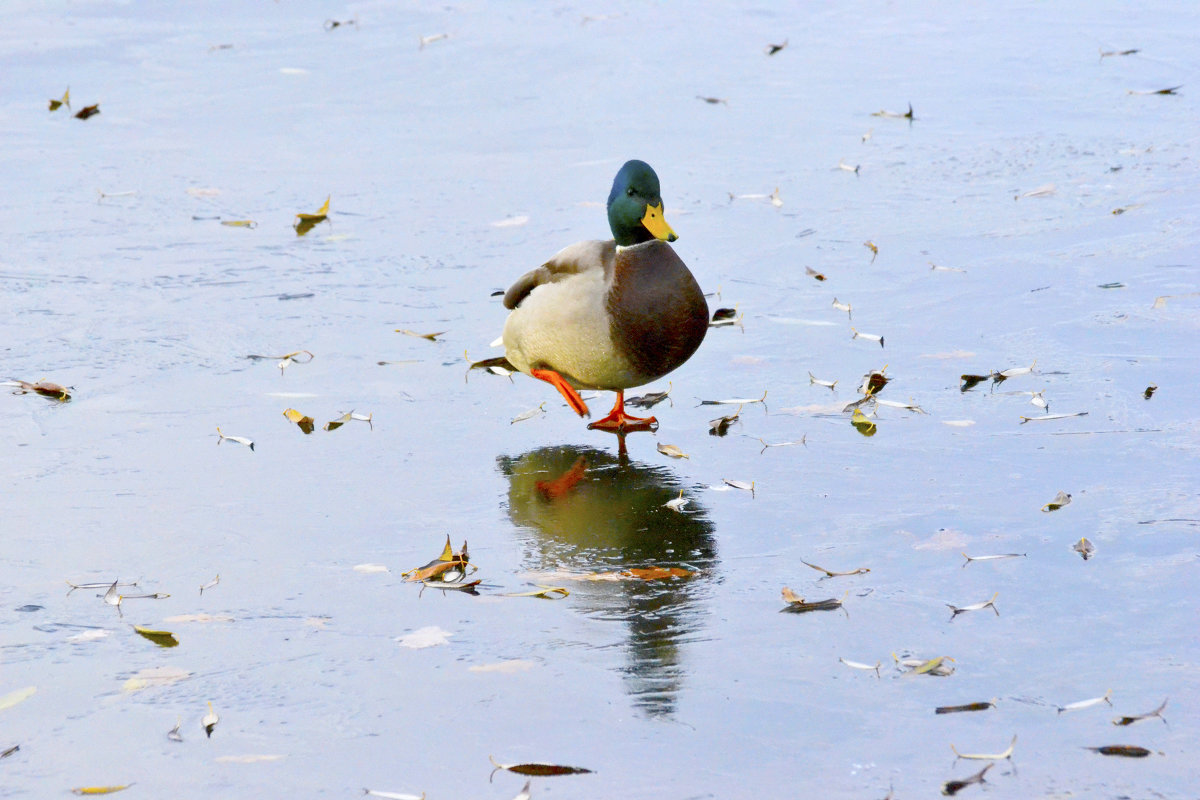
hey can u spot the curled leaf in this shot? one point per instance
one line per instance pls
(1139, 717)
(65, 101)
(239, 439)
(831, 574)
(1093, 701)
(956, 610)
(989, 756)
(672, 451)
(951, 788)
(305, 423)
(1085, 548)
(308, 221)
(1061, 499)
(88, 111)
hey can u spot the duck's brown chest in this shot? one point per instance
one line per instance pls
(658, 315)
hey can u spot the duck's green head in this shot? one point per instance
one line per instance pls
(635, 207)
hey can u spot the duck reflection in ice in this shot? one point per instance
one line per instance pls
(592, 511)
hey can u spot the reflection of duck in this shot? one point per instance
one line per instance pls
(609, 314)
(613, 517)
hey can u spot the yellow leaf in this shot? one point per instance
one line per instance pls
(88, 790)
(321, 213)
(307, 424)
(160, 638)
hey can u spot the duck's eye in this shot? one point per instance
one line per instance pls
(630, 191)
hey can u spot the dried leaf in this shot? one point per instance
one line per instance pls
(896, 114)
(430, 336)
(968, 707)
(530, 414)
(831, 574)
(1048, 417)
(1085, 548)
(239, 439)
(305, 423)
(1150, 390)
(678, 503)
(43, 388)
(539, 769)
(65, 101)
(88, 111)
(772, 49)
(870, 337)
(813, 379)
(798, 605)
(951, 788)
(813, 273)
(1170, 90)
(971, 381)
(843, 307)
(393, 795)
(862, 666)
(969, 559)
(1094, 701)
(1139, 717)
(306, 222)
(209, 721)
(1124, 750)
(956, 610)
(737, 401)
(672, 451)
(650, 399)
(1061, 499)
(745, 487)
(447, 562)
(989, 756)
(211, 583)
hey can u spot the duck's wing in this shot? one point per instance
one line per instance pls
(571, 260)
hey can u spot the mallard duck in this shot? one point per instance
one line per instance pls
(609, 314)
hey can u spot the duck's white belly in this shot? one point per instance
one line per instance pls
(564, 326)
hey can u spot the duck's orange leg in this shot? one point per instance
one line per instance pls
(565, 389)
(618, 421)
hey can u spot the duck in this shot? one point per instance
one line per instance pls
(609, 314)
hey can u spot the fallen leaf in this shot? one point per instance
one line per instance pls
(539, 769)
(671, 450)
(88, 111)
(160, 638)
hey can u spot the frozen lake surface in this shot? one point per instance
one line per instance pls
(1040, 208)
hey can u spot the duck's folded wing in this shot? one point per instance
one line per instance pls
(571, 260)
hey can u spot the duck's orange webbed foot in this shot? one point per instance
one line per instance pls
(565, 389)
(619, 422)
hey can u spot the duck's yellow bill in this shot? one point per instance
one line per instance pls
(657, 225)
